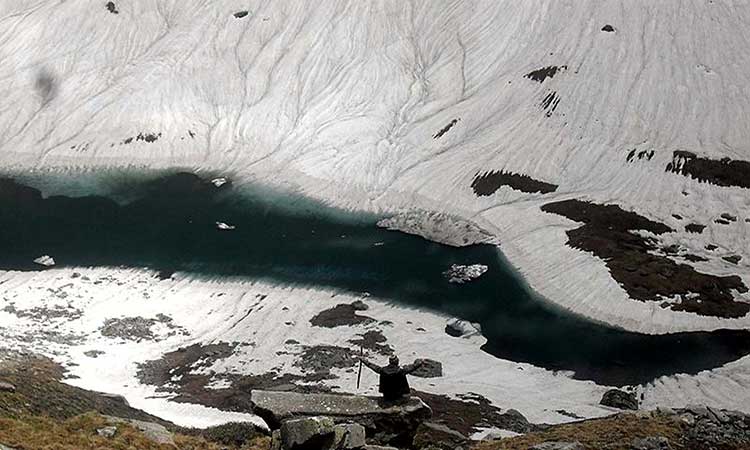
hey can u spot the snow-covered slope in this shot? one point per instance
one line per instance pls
(397, 105)
(344, 100)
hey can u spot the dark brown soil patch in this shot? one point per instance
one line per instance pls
(488, 183)
(734, 259)
(472, 412)
(373, 340)
(722, 172)
(695, 228)
(340, 315)
(445, 129)
(542, 74)
(608, 233)
(550, 102)
(174, 373)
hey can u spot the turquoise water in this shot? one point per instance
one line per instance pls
(167, 222)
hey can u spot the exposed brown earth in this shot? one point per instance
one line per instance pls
(608, 233)
(722, 172)
(488, 183)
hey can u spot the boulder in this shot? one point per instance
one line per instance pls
(651, 443)
(7, 387)
(349, 436)
(276, 440)
(514, 420)
(5, 447)
(107, 432)
(616, 398)
(385, 422)
(461, 328)
(439, 436)
(379, 447)
(428, 369)
(558, 445)
(152, 431)
(307, 433)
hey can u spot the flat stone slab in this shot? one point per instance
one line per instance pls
(391, 421)
(284, 405)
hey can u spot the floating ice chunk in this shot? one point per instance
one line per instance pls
(224, 226)
(461, 274)
(219, 182)
(45, 260)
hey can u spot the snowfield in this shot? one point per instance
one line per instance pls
(393, 108)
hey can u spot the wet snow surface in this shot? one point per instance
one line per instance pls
(170, 227)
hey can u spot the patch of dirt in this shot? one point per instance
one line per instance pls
(341, 315)
(608, 233)
(445, 129)
(373, 340)
(550, 102)
(695, 228)
(471, 412)
(184, 372)
(489, 182)
(723, 172)
(139, 328)
(542, 74)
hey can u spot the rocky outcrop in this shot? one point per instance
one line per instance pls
(557, 445)
(385, 423)
(616, 398)
(461, 328)
(152, 431)
(7, 387)
(309, 433)
(438, 436)
(651, 443)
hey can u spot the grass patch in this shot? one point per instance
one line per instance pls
(613, 433)
(79, 433)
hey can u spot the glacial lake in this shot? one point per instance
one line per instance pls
(168, 222)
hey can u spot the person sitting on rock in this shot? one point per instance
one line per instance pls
(393, 383)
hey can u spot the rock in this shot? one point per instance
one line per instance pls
(7, 387)
(438, 436)
(558, 445)
(379, 447)
(429, 369)
(514, 420)
(698, 410)
(5, 447)
(276, 440)
(107, 432)
(460, 328)
(719, 415)
(386, 423)
(616, 398)
(152, 431)
(651, 443)
(349, 436)
(307, 433)
(665, 411)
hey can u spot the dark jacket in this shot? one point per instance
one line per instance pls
(393, 382)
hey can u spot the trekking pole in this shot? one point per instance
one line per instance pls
(361, 355)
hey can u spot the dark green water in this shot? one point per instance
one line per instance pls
(168, 224)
